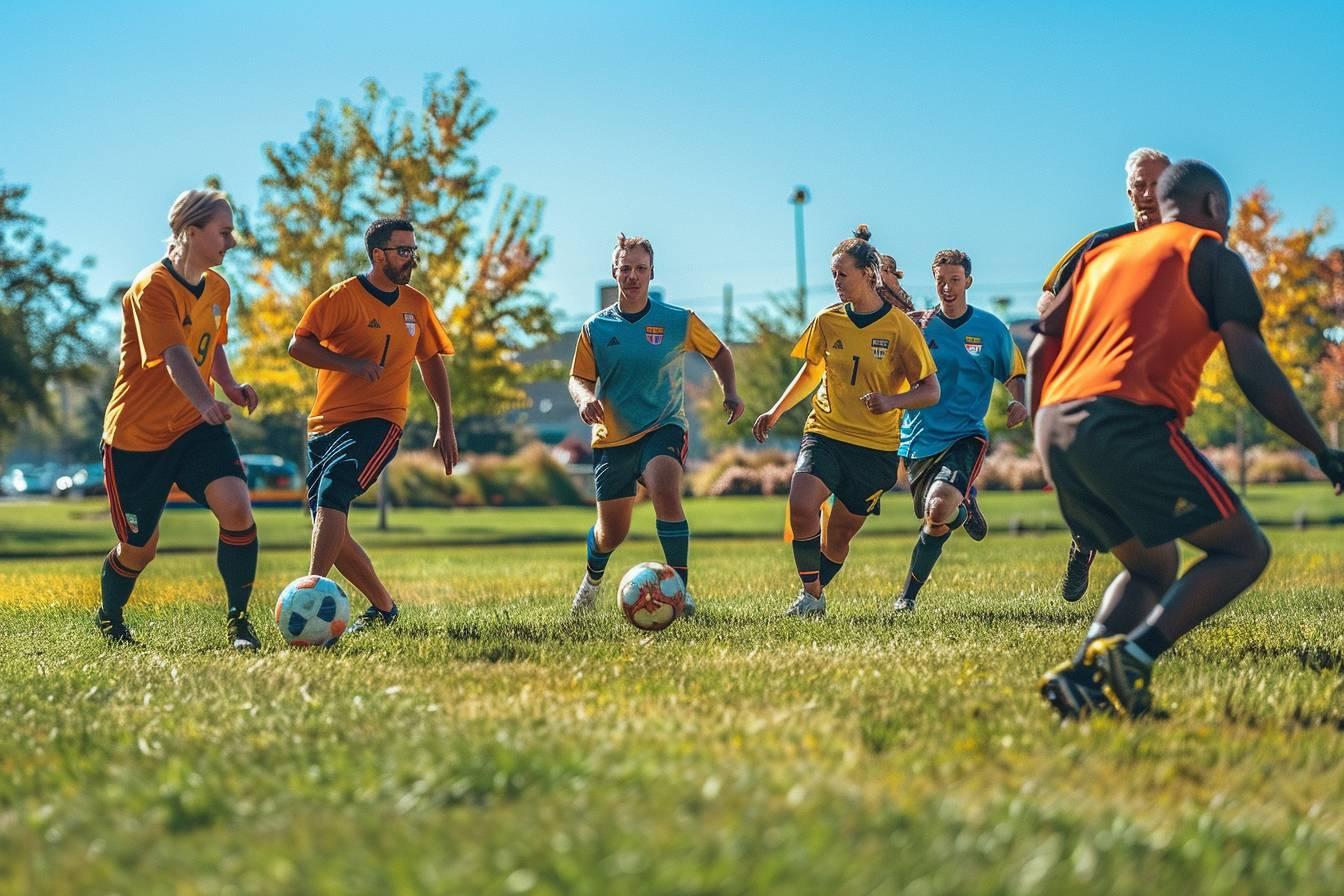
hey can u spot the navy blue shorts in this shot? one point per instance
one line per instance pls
(138, 482)
(958, 464)
(343, 463)
(857, 476)
(617, 470)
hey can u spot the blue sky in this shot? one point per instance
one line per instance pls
(997, 128)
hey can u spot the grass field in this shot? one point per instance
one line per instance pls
(487, 744)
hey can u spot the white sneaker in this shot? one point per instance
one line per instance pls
(807, 605)
(903, 605)
(585, 599)
(688, 605)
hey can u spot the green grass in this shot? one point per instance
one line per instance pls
(489, 745)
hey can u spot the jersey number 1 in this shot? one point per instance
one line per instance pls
(387, 341)
(854, 374)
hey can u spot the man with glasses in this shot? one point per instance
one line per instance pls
(361, 336)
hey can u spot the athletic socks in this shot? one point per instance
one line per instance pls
(927, 551)
(829, 569)
(1146, 643)
(807, 557)
(597, 561)
(237, 561)
(118, 580)
(676, 539)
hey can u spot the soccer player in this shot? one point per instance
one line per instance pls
(163, 424)
(890, 289)
(627, 382)
(1113, 374)
(865, 360)
(1142, 169)
(362, 335)
(943, 445)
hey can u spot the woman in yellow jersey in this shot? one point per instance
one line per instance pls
(163, 425)
(865, 360)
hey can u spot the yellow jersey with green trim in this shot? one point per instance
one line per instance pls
(878, 352)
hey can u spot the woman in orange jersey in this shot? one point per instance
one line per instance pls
(164, 425)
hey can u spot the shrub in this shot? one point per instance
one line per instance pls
(532, 477)
(736, 471)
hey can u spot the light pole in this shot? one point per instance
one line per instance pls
(800, 197)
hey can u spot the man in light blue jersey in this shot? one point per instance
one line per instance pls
(943, 445)
(627, 381)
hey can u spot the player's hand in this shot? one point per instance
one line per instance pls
(1043, 302)
(242, 395)
(215, 412)
(364, 368)
(734, 406)
(1017, 413)
(445, 442)
(879, 403)
(761, 428)
(591, 412)
(1331, 461)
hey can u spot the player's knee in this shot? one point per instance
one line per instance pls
(1261, 552)
(137, 557)
(940, 510)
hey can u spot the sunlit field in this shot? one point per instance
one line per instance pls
(488, 744)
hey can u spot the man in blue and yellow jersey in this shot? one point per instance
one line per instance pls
(866, 361)
(944, 445)
(627, 382)
(1143, 168)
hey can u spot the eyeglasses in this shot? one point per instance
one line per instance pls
(403, 251)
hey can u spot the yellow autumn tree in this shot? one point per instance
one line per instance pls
(358, 161)
(1287, 272)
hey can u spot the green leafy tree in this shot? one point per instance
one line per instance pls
(47, 329)
(362, 160)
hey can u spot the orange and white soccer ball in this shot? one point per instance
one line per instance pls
(312, 612)
(651, 596)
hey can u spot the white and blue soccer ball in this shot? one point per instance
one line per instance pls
(651, 596)
(312, 612)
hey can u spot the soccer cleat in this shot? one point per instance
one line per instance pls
(585, 599)
(688, 604)
(807, 605)
(241, 635)
(1075, 691)
(373, 617)
(976, 525)
(1123, 678)
(114, 630)
(1077, 572)
(903, 605)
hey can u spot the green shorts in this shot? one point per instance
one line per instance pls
(1122, 470)
(958, 464)
(616, 471)
(343, 463)
(138, 482)
(857, 476)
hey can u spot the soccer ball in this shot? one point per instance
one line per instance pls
(311, 612)
(651, 596)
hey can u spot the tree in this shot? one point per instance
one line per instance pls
(47, 332)
(1330, 369)
(360, 161)
(1287, 272)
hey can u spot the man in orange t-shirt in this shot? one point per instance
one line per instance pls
(1114, 371)
(361, 336)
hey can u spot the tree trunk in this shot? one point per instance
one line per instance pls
(1241, 451)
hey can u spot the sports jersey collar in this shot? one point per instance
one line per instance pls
(956, 324)
(638, 315)
(387, 298)
(863, 320)
(197, 290)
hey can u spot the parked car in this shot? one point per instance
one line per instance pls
(79, 482)
(31, 479)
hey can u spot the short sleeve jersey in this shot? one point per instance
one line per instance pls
(148, 412)
(972, 352)
(356, 319)
(1063, 270)
(861, 353)
(637, 362)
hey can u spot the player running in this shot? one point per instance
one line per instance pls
(627, 382)
(163, 424)
(1114, 372)
(361, 335)
(864, 359)
(1142, 169)
(944, 445)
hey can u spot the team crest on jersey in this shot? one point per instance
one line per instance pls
(974, 344)
(654, 335)
(880, 347)
(133, 523)
(409, 318)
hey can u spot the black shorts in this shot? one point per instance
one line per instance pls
(1122, 470)
(958, 464)
(138, 482)
(857, 476)
(343, 463)
(617, 470)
